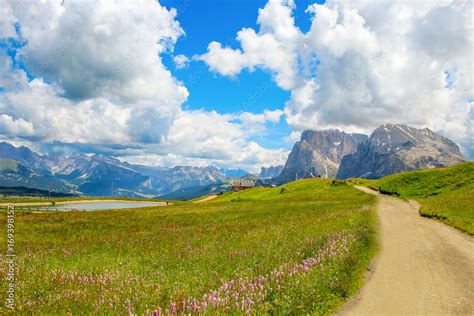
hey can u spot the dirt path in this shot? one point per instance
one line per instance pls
(424, 267)
(207, 198)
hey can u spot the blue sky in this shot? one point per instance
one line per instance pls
(205, 21)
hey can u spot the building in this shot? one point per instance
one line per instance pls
(241, 184)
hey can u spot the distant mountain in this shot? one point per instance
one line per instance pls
(104, 176)
(22, 155)
(99, 175)
(166, 181)
(397, 148)
(96, 175)
(13, 173)
(270, 172)
(319, 153)
(233, 173)
(196, 191)
(206, 189)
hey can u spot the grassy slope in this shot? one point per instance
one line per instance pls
(104, 262)
(446, 193)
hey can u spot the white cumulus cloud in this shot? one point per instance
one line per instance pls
(181, 61)
(272, 48)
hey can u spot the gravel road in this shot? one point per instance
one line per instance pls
(424, 267)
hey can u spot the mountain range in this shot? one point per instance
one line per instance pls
(327, 154)
(318, 154)
(99, 175)
(389, 149)
(398, 148)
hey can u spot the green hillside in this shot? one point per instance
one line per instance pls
(294, 191)
(445, 193)
(298, 249)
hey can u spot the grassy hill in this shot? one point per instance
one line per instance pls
(445, 193)
(298, 249)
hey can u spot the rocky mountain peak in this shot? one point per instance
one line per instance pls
(270, 172)
(390, 138)
(397, 148)
(319, 153)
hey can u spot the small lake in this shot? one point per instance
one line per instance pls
(94, 206)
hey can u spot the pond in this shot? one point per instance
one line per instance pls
(94, 206)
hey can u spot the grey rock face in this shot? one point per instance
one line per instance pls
(397, 148)
(319, 153)
(270, 172)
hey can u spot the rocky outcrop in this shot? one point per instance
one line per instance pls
(270, 172)
(397, 148)
(319, 153)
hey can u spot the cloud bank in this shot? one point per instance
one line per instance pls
(89, 74)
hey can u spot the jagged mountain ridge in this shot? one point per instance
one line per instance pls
(99, 175)
(13, 173)
(270, 172)
(318, 153)
(398, 148)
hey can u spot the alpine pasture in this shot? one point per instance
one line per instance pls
(296, 249)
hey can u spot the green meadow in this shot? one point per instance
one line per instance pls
(446, 194)
(301, 248)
